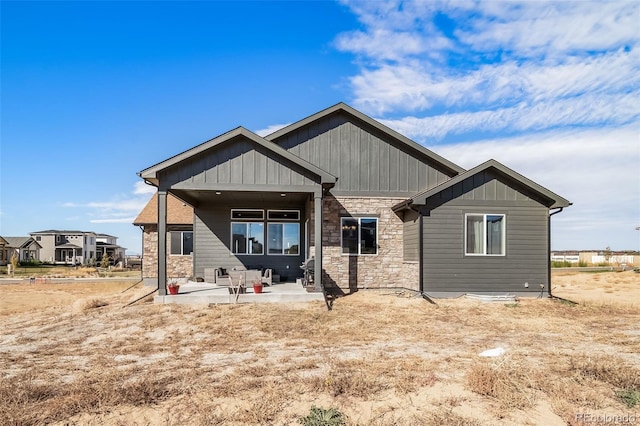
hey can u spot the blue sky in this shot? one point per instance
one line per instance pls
(93, 92)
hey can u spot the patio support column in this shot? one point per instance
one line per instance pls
(162, 243)
(317, 225)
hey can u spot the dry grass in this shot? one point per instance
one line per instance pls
(508, 381)
(378, 358)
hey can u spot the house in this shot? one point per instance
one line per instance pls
(108, 245)
(26, 248)
(179, 237)
(372, 207)
(3, 255)
(66, 247)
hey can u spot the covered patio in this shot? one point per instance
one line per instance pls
(255, 205)
(208, 293)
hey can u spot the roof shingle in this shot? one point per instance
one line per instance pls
(178, 212)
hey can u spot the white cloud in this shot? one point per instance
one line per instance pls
(587, 110)
(413, 85)
(270, 129)
(496, 59)
(551, 28)
(121, 208)
(142, 188)
(386, 44)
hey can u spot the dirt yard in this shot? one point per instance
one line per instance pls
(72, 354)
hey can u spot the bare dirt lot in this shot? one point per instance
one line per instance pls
(71, 354)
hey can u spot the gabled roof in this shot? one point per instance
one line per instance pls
(342, 107)
(421, 198)
(178, 212)
(151, 174)
(20, 242)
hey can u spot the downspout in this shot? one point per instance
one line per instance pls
(420, 253)
(549, 249)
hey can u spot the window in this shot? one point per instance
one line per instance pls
(485, 234)
(38, 238)
(246, 214)
(181, 243)
(359, 235)
(247, 237)
(283, 238)
(283, 215)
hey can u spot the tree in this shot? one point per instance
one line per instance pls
(14, 262)
(105, 261)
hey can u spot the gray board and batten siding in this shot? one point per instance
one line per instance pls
(410, 236)
(238, 162)
(366, 160)
(447, 271)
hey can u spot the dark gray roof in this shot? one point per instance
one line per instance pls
(65, 232)
(101, 244)
(150, 173)
(342, 107)
(68, 245)
(556, 201)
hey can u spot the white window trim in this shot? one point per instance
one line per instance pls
(264, 245)
(484, 242)
(283, 219)
(359, 219)
(282, 254)
(252, 219)
(181, 243)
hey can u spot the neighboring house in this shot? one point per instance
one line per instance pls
(179, 239)
(108, 244)
(66, 247)
(3, 255)
(26, 248)
(372, 207)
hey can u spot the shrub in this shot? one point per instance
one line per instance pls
(323, 417)
(631, 397)
(561, 264)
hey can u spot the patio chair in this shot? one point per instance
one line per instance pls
(268, 277)
(221, 274)
(236, 284)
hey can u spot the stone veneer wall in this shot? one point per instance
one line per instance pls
(386, 269)
(177, 266)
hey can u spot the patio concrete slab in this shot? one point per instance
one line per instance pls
(193, 293)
